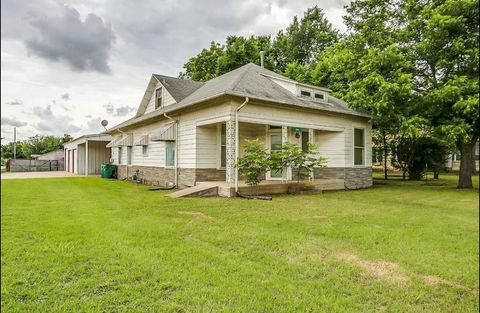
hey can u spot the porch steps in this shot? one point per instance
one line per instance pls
(207, 189)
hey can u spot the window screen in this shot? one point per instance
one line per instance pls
(359, 146)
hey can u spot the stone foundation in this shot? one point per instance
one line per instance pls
(153, 175)
(161, 176)
(355, 178)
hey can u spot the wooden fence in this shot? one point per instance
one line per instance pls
(21, 165)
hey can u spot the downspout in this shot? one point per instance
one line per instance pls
(237, 138)
(176, 147)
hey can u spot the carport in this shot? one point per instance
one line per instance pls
(85, 154)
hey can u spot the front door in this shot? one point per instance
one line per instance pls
(275, 144)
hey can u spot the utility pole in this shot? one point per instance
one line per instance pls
(14, 143)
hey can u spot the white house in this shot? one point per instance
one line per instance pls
(186, 132)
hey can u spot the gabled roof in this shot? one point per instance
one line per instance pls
(250, 81)
(177, 88)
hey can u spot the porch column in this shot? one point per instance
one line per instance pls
(86, 157)
(230, 152)
(286, 173)
(311, 133)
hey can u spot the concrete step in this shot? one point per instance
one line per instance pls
(200, 190)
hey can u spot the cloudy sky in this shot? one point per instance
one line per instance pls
(66, 65)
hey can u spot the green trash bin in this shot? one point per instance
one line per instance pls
(108, 171)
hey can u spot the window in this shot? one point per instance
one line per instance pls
(169, 153)
(305, 93)
(129, 155)
(145, 151)
(119, 155)
(359, 146)
(319, 96)
(305, 141)
(223, 145)
(158, 98)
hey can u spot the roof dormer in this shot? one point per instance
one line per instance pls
(312, 93)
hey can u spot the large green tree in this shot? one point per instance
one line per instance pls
(368, 68)
(299, 44)
(221, 59)
(303, 39)
(442, 39)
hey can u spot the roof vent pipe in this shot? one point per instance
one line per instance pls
(262, 55)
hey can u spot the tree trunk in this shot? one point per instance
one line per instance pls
(385, 154)
(466, 164)
(436, 173)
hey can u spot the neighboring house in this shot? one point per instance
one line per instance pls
(52, 155)
(453, 160)
(87, 152)
(186, 132)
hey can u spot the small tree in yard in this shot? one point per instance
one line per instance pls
(301, 161)
(254, 163)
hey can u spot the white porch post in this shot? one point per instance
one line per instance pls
(230, 152)
(286, 172)
(86, 157)
(311, 133)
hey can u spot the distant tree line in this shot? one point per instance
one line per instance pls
(34, 145)
(412, 64)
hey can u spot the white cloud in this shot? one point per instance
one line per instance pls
(151, 36)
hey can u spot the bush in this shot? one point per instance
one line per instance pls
(254, 163)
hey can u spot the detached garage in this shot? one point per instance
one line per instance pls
(87, 152)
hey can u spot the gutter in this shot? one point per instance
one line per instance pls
(176, 146)
(237, 138)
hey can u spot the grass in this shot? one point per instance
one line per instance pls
(91, 245)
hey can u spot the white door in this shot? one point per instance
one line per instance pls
(274, 139)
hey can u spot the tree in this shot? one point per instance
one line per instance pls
(35, 145)
(443, 40)
(303, 40)
(254, 163)
(221, 59)
(203, 66)
(299, 44)
(302, 162)
(377, 79)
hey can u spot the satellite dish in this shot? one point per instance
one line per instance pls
(104, 124)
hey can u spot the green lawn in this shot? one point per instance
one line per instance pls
(86, 244)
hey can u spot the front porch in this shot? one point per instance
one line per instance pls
(220, 144)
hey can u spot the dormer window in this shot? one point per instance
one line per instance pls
(305, 93)
(319, 96)
(158, 98)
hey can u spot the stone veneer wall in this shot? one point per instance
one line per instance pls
(355, 178)
(150, 174)
(163, 176)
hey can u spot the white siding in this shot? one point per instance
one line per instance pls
(330, 145)
(80, 168)
(97, 154)
(336, 145)
(207, 146)
(167, 99)
(188, 131)
(198, 145)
